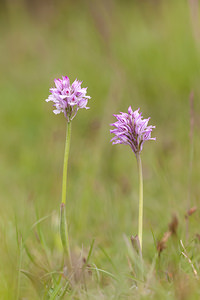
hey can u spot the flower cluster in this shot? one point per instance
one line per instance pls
(131, 129)
(68, 98)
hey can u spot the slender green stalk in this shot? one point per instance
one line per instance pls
(140, 215)
(63, 220)
(66, 156)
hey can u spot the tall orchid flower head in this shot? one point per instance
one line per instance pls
(131, 129)
(68, 98)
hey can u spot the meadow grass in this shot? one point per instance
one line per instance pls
(127, 53)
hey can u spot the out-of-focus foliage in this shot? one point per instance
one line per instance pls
(139, 53)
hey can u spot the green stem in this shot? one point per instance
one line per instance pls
(140, 216)
(66, 156)
(63, 220)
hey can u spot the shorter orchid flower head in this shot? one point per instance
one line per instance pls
(131, 129)
(68, 98)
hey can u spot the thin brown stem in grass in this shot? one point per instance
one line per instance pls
(184, 253)
(173, 225)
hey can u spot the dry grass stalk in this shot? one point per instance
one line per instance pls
(184, 253)
(161, 245)
(190, 212)
(173, 225)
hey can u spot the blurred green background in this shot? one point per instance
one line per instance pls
(140, 53)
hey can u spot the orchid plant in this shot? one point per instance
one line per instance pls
(67, 99)
(131, 129)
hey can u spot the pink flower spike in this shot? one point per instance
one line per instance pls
(68, 98)
(131, 129)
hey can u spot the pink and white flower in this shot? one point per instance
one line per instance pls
(130, 129)
(68, 98)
